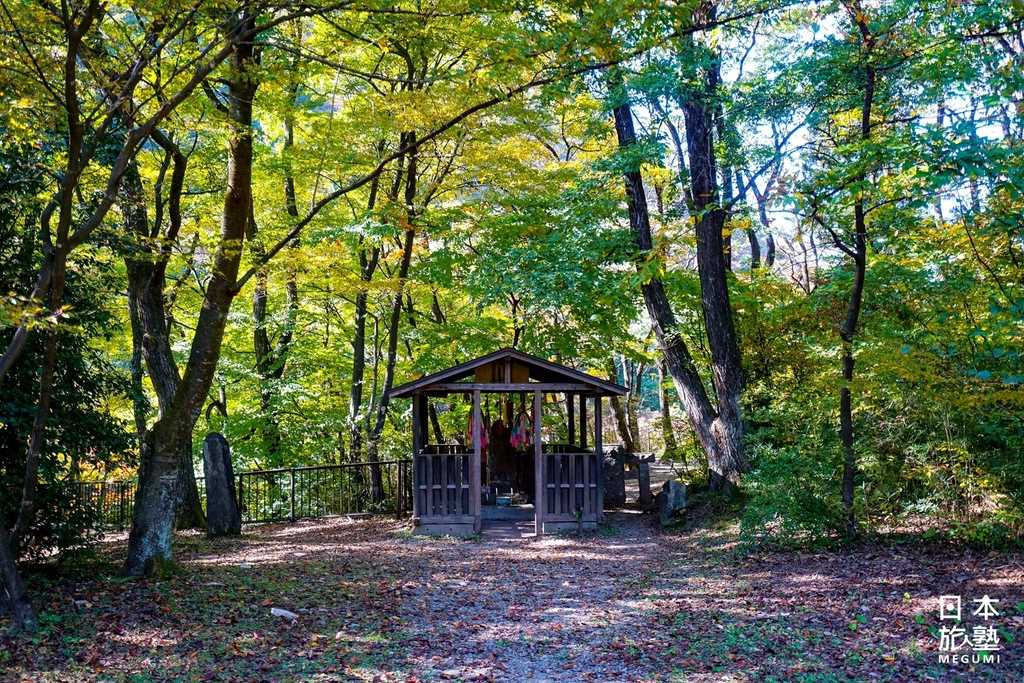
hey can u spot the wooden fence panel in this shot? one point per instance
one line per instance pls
(570, 485)
(443, 483)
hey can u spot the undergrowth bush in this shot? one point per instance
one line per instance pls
(938, 416)
(791, 498)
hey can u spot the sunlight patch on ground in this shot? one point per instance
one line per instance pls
(145, 637)
(265, 555)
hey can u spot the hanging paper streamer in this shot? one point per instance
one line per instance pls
(522, 431)
(484, 429)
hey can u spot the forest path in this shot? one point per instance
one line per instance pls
(372, 602)
(557, 608)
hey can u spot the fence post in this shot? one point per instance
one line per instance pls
(291, 473)
(409, 491)
(121, 504)
(398, 490)
(403, 482)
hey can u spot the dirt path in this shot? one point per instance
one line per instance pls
(558, 608)
(629, 603)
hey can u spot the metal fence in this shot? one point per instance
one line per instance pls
(287, 493)
(297, 492)
(111, 501)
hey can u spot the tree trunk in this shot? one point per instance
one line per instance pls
(435, 423)
(355, 400)
(621, 421)
(268, 368)
(367, 268)
(668, 434)
(755, 244)
(678, 360)
(848, 330)
(272, 357)
(190, 505)
(23, 617)
(156, 499)
(683, 175)
(140, 404)
(393, 323)
(728, 460)
(762, 215)
(720, 433)
(720, 127)
(755, 250)
(439, 319)
(37, 437)
(633, 402)
(150, 539)
(148, 314)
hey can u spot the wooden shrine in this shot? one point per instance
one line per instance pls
(450, 480)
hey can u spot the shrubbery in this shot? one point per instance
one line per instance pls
(83, 434)
(938, 440)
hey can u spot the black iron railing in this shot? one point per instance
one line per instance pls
(287, 493)
(298, 492)
(111, 500)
